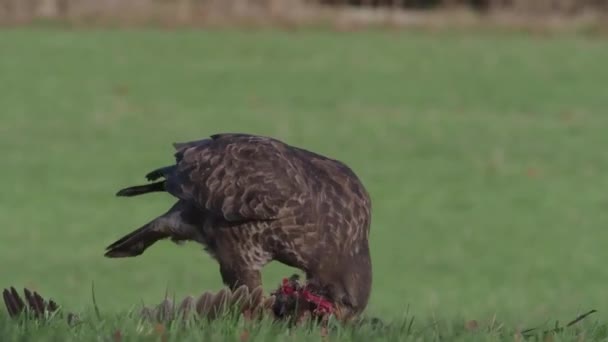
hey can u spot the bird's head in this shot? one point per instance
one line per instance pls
(349, 298)
(348, 286)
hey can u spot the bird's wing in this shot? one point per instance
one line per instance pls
(238, 177)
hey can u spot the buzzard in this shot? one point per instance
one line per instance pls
(251, 199)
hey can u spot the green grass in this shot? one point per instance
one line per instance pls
(125, 327)
(485, 156)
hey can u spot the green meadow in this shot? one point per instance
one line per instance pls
(485, 154)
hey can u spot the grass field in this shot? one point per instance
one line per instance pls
(485, 156)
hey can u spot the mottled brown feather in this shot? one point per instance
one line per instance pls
(238, 177)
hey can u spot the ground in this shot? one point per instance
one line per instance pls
(484, 154)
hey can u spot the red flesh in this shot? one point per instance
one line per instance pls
(322, 305)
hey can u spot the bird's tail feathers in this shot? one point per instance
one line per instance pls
(135, 243)
(161, 172)
(141, 189)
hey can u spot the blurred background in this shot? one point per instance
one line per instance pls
(478, 127)
(298, 12)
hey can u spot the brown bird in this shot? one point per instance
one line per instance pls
(250, 200)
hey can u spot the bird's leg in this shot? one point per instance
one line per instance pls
(235, 276)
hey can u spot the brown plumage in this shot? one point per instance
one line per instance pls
(250, 199)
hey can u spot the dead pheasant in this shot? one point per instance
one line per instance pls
(291, 301)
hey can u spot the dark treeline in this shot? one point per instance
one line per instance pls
(12, 11)
(567, 6)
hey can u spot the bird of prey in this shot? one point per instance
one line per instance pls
(251, 199)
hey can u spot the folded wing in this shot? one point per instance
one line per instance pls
(239, 177)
